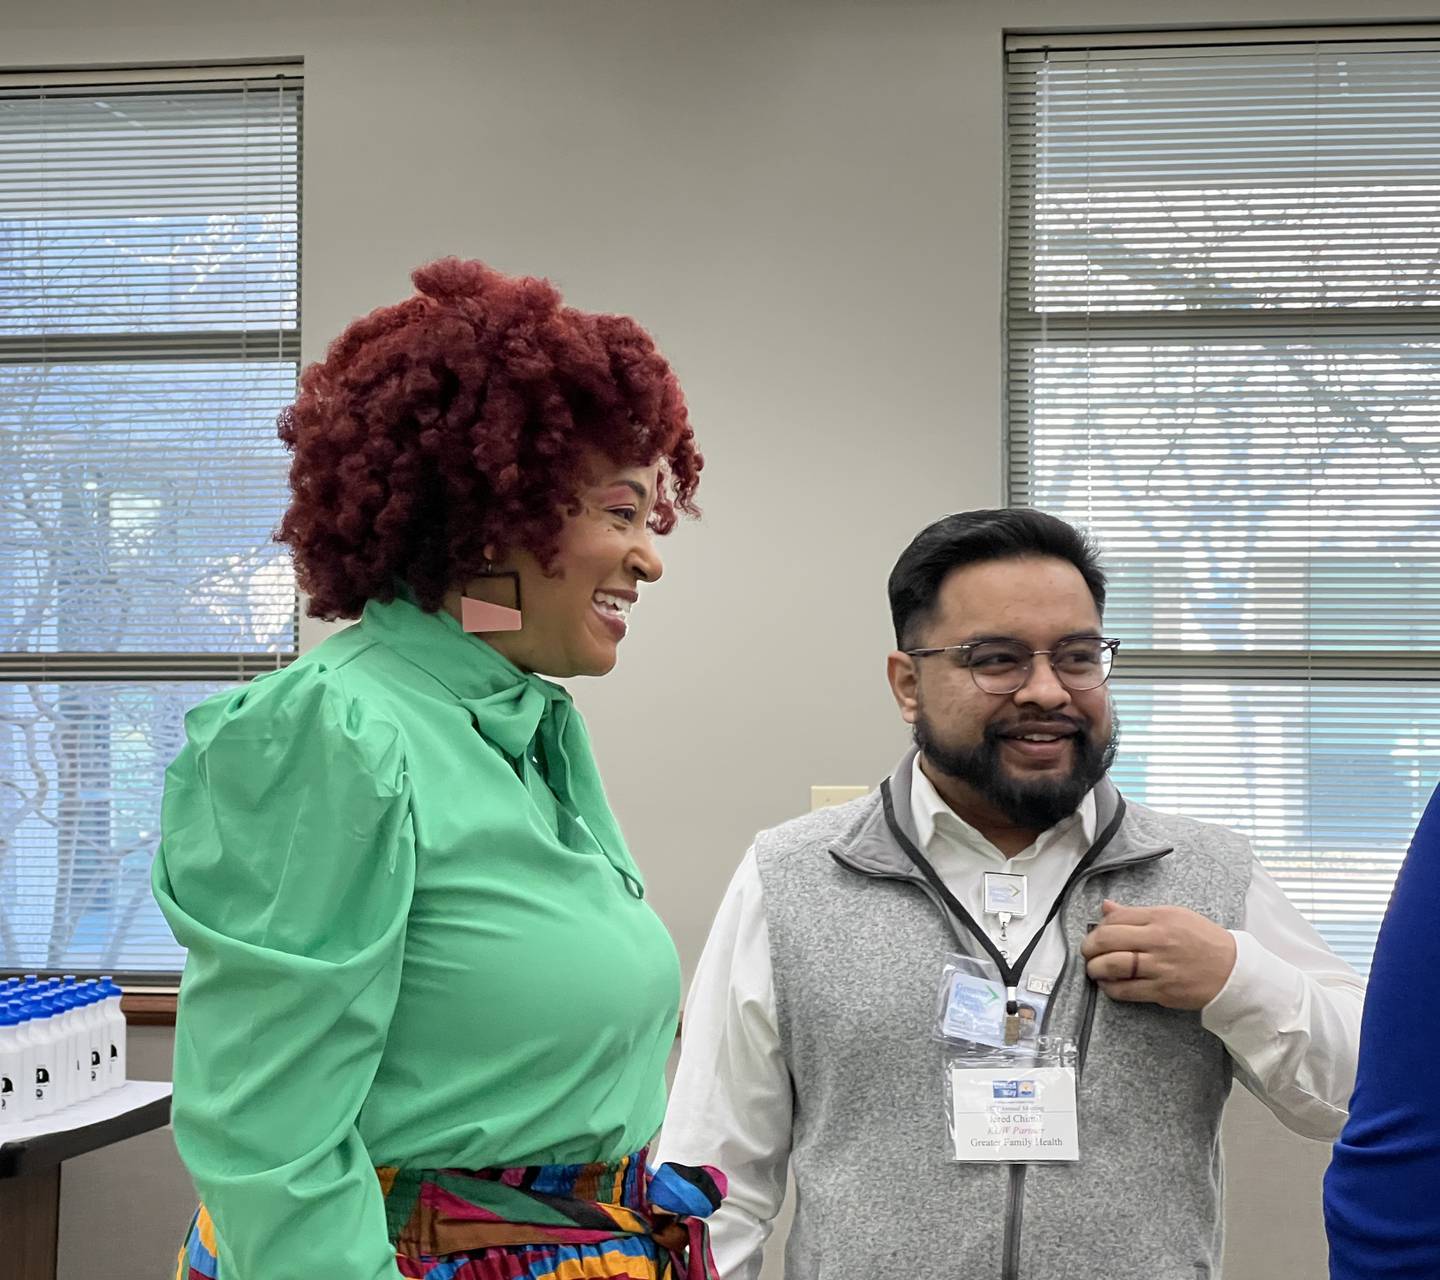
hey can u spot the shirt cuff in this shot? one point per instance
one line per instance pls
(1257, 1000)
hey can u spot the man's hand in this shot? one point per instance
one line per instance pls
(1159, 955)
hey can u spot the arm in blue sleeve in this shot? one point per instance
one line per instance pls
(1382, 1191)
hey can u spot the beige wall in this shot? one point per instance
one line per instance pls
(801, 199)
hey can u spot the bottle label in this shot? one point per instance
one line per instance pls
(42, 1083)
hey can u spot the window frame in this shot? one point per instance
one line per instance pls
(151, 994)
(1026, 333)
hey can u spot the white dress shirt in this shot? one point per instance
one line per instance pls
(1289, 1015)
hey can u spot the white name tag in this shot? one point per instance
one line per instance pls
(1005, 894)
(1020, 1114)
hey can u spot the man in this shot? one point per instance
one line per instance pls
(1170, 962)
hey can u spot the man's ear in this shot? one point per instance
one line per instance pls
(904, 680)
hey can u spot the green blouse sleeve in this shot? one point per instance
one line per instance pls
(286, 869)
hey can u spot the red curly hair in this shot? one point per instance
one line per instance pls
(466, 416)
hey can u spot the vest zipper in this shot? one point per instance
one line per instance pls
(1092, 991)
(1015, 1195)
(1015, 1199)
(1014, 1213)
(1087, 1021)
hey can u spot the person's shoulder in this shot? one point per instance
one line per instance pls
(820, 830)
(1193, 837)
(286, 817)
(312, 715)
(1181, 826)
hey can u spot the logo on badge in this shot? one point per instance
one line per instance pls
(1023, 1090)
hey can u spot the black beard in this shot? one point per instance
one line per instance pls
(1033, 806)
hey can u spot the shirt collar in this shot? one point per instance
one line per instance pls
(510, 708)
(937, 822)
(435, 642)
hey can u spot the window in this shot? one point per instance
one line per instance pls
(1223, 315)
(149, 333)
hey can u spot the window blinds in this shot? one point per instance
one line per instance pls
(149, 333)
(1223, 338)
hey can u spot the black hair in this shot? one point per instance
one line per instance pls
(974, 537)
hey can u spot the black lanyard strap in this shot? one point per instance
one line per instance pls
(1009, 973)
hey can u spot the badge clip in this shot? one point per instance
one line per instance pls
(1012, 1016)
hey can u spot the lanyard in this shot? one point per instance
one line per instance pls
(1009, 973)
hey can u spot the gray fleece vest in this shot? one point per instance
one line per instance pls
(857, 940)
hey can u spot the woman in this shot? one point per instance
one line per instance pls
(1382, 1191)
(426, 1009)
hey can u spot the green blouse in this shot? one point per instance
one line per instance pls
(415, 937)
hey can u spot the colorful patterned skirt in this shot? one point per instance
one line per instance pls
(620, 1221)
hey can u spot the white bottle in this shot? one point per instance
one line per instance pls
(13, 1094)
(26, 1040)
(62, 1066)
(115, 1032)
(68, 1056)
(43, 1037)
(96, 1039)
(74, 1000)
(84, 1090)
(63, 1071)
(20, 1009)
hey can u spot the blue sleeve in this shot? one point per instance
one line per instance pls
(1382, 1191)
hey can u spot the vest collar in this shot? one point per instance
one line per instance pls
(868, 847)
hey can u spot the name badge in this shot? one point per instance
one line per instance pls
(973, 1010)
(1017, 1114)
(1005, 894)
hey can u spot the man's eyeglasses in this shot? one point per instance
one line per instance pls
(1003, 666)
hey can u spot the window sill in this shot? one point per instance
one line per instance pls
(149, 1006)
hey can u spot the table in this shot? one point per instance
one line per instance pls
(30, 1158)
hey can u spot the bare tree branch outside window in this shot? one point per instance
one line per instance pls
(149, 318)
(1224, 355)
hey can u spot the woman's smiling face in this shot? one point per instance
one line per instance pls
(573, 621)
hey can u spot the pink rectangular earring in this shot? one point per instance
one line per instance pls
(481, 615)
